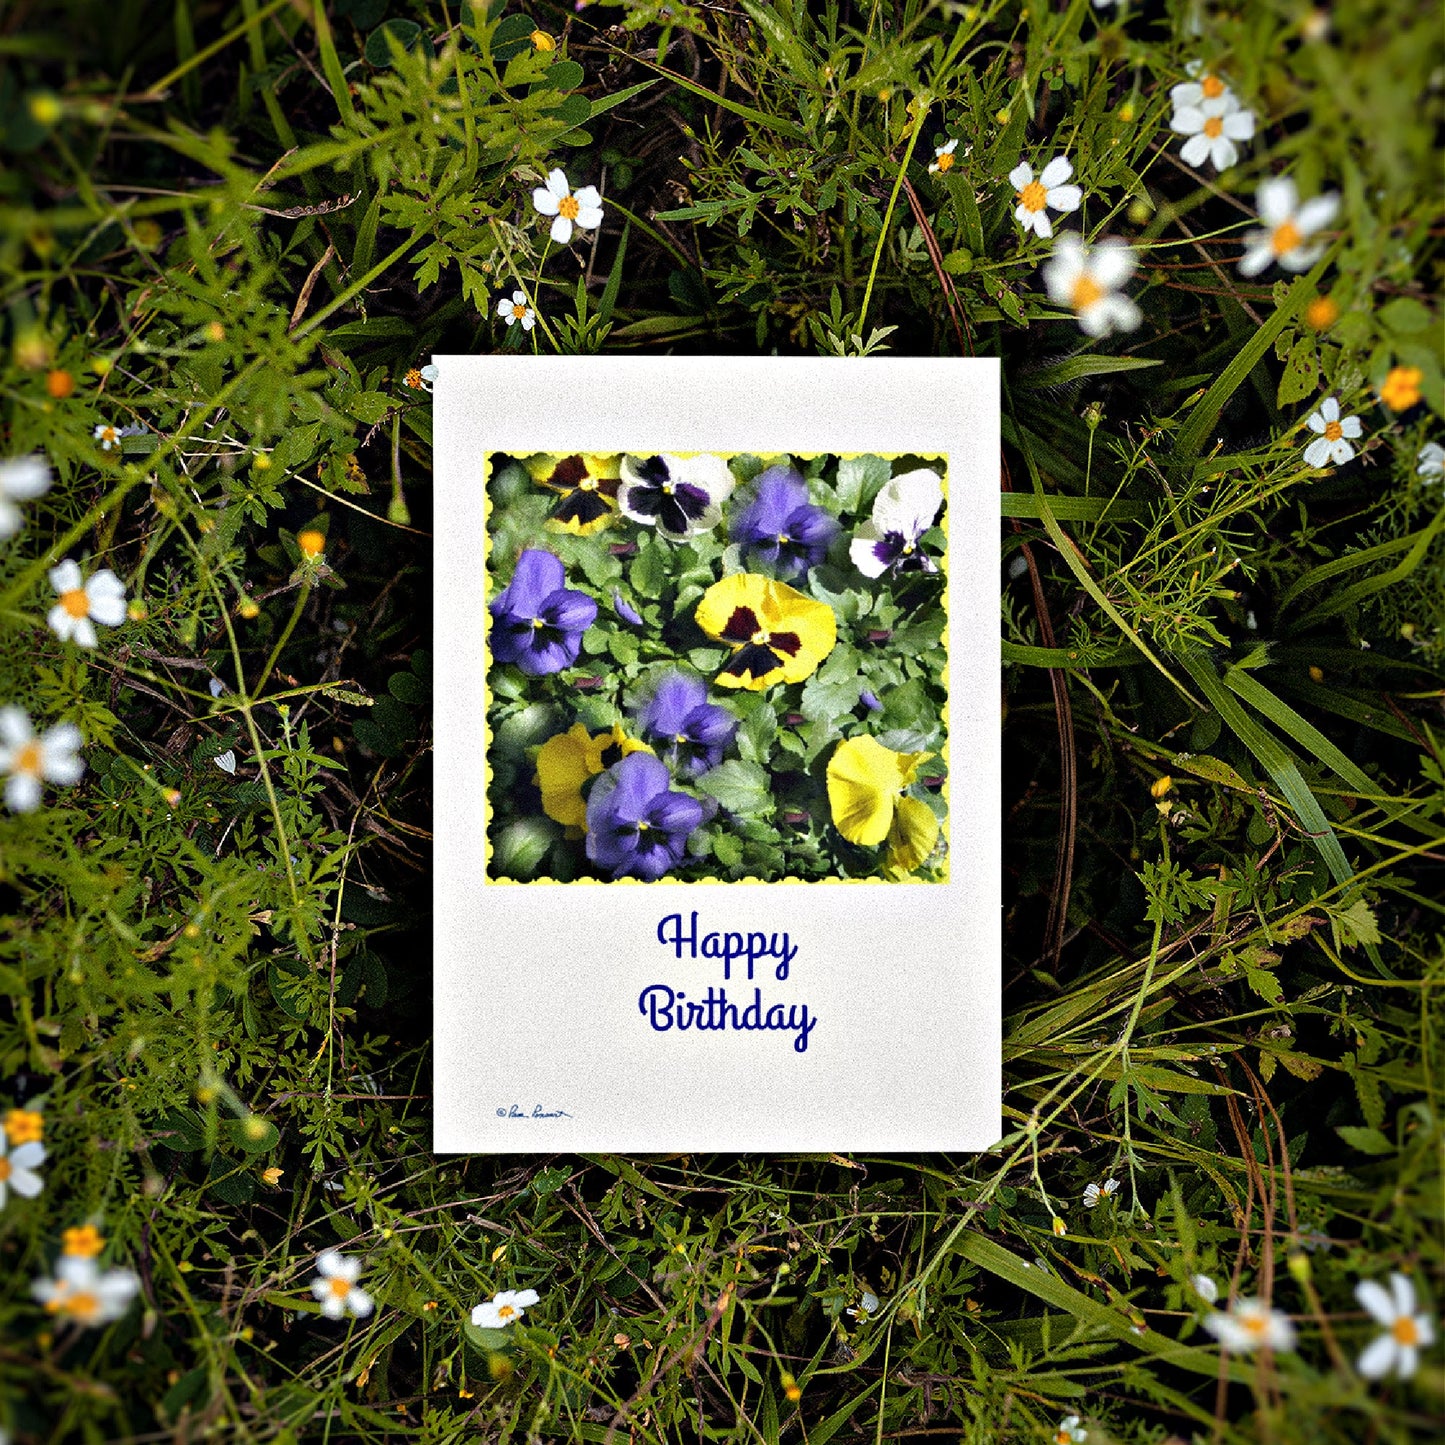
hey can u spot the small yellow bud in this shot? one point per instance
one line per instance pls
(1002, 116)
(272, 1175)
(172, 796)
(148, 235)
(542, 41)
(1298, 1265)
(32, 349)
(1126, 111)
(185, 1266)
(101, 365)
(1160, 786)
(192, 930)
(206, 1094)
(498, 1252)
(248, 609)
(1322, 313)
(45, 108)
(262, 462)
(215, 331)
(791, 1389)
(59, 384)
(1060, 1228)
(311, 542)
(499, 1367)
(1139, 211)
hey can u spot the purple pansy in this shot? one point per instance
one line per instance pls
(537, 621)
(636, 826)
(625, 610)
(686, 729)
(869, 699)
(780, 524)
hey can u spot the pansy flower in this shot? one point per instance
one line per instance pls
(538, 622)
(568, 762)
(688, 730)
(1288, 228)
(776, 634)
(1408, 1329)
(17, 1170)
(1333, 434)
(567, 208)
(866, 784)
(902, 512)
(780, 525)
(636, 826)
(1086, 279)
(586, 484)
(1250, 1324)
(681, 496)
(53, 757)
(503, 1309)
(1215, 127)
(80, 604)
(1036, 197)
(81, 1292)
(22, 479)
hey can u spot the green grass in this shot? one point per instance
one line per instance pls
(237, 229)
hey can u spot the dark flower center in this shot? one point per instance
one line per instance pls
(761, 652)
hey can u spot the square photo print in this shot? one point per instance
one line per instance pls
(717, 667)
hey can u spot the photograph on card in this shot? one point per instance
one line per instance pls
(706, 667)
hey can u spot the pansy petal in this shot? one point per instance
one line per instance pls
(913, 835)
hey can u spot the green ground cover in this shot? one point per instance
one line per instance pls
(231, 235)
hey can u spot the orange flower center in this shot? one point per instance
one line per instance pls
(1405, 1332)
(75, 602)
(80, 1306)
(413, 379)
(505, 1312)
(1214, 127)
(339, 1287)
(1212, 86)
(108, 435)
(1333, 431)
(519, 311)
(1033, 197)
(1086, 293)
(568, 207)
(1255, 1324)
(944, 161)
(1285, 238)
(4, 1170)
(27, 760)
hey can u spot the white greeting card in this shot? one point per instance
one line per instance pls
(717, 758)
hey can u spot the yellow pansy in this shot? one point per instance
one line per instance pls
(587, 484)
(865, 792)
(776, 633)
(568, 762)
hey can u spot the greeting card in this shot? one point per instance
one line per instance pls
(716, 739)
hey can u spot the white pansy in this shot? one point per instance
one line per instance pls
(17, 1170)
(1288, 228)
(80, 1291)
(335, 1286)
(902, 512)
(582, 209)
(28, 760)
(1408, 1330)
(1048, 191)
(680, 496)
(1333, 435)
(1070, 1431)
(503, 1309)
(22, 479)
(1250, 1324)
(942, 158)
(1204, 1287)
(1086, 279)
(1431, 461)
(1216, 128)
(517, 309)
(80, 604)
(1093, 1193)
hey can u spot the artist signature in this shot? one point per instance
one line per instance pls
(538, 1112)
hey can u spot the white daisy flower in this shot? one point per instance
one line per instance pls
(902, 512)
(108, 436)
(1202, 85)
(1334, 433)
(81, 1292)
(867, 1305)
(943, 161)
(17, 1170)
(582, 209)
(681, 496)
(1407, 1331)
(82, 604)
(503, 1309)
(1085, 279)
(1214, 128)
(1431, 461)
(420, 378)
(335, 1286)
(22, 479)
(53, 757)
(1289, 227)
(1249, 1325)
(517, 309)
(1070, 1431)
(1204, 1287)
(1048, 190)
(1093, 1193)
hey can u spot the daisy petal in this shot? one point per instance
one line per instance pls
(1021, 175)
(1056, 172)
(561, 231)
(1065, 198)
(1378, 1358)
(1374, 1297)
(544, 201)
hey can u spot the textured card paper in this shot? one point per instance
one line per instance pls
(717, 819)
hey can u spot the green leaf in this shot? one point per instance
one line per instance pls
(857, 478)
(1301, 375)
(1367, 1141)
(378, 52)
(1076, 368)
(1406, 316)
(741, 788)
(562, 75)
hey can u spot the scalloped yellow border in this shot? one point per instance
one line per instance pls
(490, 881)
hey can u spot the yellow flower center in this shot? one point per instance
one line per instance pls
(108, 435)
(505, 1312)
(311, 542)
(339, 1287)
(27, 760)
(568, 207)
(782, 538)
(80, 1306)
(538, 624)
(759, 638)
(413, 379)
(22, 1126)
(1405, 1332)
(4, 1170)
(1333, 431)
(1401, 389)
(1214, 127)
(944, 161)
(1286, 237)
(1212, 86)
(1255, 1324)
(1086, 293)
(75, 602)
(1033, 197)
(1321, 313)
(519, 310)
